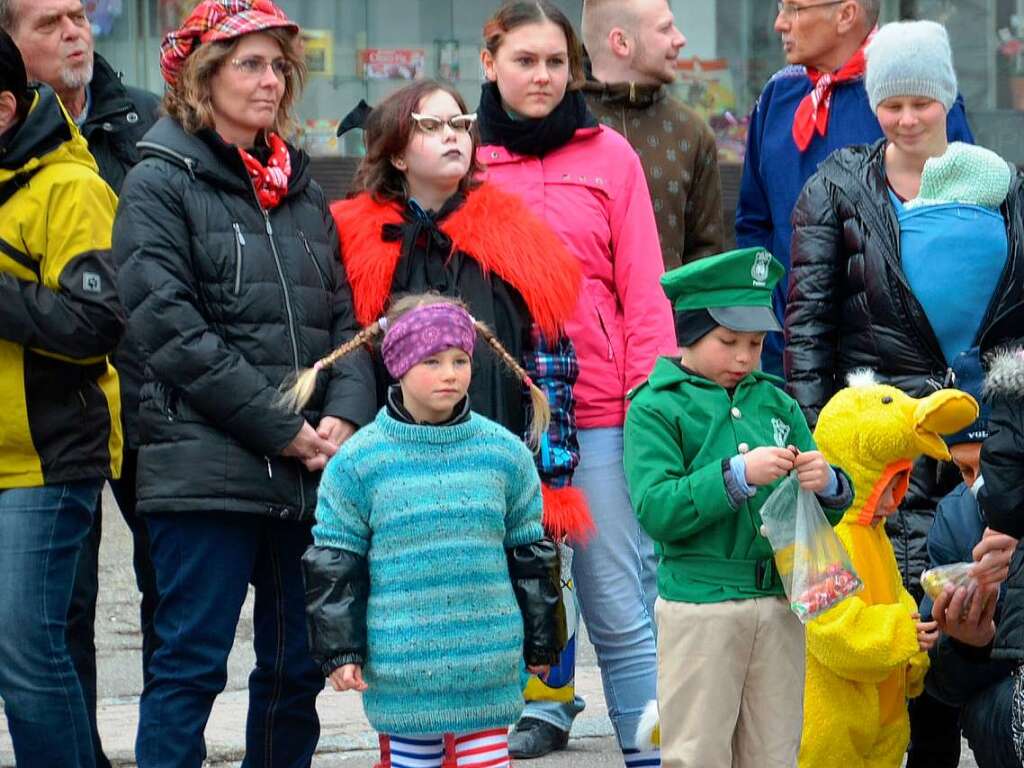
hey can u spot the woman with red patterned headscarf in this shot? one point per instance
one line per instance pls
(231, 274)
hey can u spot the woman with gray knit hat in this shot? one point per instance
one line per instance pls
(904, 252)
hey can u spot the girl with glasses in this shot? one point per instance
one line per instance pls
(419, 219)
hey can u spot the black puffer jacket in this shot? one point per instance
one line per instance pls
(119, 117)
(227, 300)
(850, 307)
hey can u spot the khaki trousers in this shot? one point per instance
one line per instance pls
(730, 683)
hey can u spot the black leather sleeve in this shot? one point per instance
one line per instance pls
(535, 573)
(337, 587)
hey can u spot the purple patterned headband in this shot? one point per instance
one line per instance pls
(425, 331)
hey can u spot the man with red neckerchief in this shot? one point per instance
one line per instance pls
(808, 109)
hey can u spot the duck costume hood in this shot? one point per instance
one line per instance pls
(863, 657)
(875, 432)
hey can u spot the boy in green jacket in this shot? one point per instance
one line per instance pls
(707, 439)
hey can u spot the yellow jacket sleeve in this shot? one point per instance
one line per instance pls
(861, 642)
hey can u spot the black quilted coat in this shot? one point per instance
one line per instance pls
(850, 307)
(226, 300)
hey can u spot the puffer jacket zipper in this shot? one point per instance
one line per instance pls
(239, 245)
(312, 257)
(291, 328)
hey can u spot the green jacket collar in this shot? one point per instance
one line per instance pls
(669, 373)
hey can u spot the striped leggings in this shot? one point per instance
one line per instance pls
(481, 749)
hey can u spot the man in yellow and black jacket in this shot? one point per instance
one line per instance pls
(60, 430)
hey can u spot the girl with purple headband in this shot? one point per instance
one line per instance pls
(431, 587)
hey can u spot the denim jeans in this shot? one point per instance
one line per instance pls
(82, 613)
(616, 583)
(204, 564)
(41, 535)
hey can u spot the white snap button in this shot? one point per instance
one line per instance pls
(744, 447)
(735, 413)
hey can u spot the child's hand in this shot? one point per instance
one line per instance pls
(767, 464)
(348, 678)
(540, 670)
(812, 471)
(927, 633)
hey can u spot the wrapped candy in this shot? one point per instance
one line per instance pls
(815, 568)
(934, 580)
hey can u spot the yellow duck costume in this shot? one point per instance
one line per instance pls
(863, 658)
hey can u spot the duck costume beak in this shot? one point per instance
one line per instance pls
(941, 413)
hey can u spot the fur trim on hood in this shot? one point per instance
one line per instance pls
(1005, 373)
(494, 227)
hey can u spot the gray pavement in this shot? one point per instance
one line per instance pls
(346, 740)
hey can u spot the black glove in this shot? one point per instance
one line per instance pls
(337, 588)
(536, 581)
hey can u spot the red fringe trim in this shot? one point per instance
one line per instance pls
(494, 227)
(566, 514)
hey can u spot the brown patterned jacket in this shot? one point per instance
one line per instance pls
(677, 150)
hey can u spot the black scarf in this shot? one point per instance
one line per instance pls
(528, 136)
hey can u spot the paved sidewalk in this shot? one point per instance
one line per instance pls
(346, 740)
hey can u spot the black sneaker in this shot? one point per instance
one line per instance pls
(535, 738)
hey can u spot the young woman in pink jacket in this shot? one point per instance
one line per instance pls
(539, 140)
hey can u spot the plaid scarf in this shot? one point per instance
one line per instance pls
(812, 112)
(271, 180)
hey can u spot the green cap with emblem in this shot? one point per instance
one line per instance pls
(733, 288)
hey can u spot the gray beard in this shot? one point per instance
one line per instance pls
(76, 77)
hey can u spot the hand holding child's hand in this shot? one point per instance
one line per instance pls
(812, 471)
(767, 464)
(927, 633)
(348, 678)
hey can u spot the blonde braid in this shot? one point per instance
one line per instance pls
(298, 388)
(541, 409)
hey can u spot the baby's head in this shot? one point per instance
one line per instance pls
(723, 309)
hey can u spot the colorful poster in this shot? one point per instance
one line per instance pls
(392, 63)
(318, 49)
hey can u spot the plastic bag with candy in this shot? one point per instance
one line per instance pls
(815, 568)
(934, 580)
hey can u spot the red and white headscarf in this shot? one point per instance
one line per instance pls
(218, 20)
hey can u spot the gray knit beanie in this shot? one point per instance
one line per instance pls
(910, 58)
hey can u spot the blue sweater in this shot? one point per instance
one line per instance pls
(774, 171)
(433, 510)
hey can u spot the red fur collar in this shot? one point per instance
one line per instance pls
(496, 228)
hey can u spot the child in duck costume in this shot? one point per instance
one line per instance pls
(868, 655)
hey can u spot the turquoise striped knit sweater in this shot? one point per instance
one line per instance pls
(433, 509)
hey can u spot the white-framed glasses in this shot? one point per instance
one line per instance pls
(792, 10)
(255, 66)
(431, 124)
